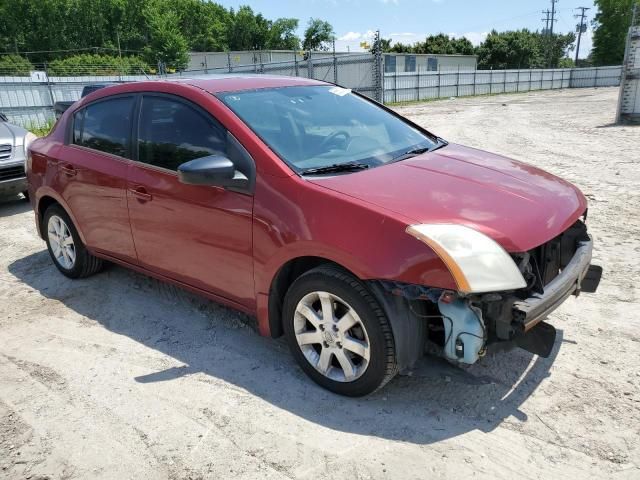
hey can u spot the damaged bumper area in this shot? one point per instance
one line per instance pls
(579, 275)
(463, 327)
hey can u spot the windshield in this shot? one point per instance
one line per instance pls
(312, 127)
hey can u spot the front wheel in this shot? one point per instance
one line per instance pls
(338, 333)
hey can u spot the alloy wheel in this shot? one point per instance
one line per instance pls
(331, 336)
(61, 242)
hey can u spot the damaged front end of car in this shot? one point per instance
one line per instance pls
(463, 326)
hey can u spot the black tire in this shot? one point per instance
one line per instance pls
(85, 264)
(382, 365)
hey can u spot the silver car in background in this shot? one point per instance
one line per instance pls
(14, 141)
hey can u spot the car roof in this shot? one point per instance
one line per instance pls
(212, 84)
(236, 82)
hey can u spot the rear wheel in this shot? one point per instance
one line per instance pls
(67, 251)
(338, 333)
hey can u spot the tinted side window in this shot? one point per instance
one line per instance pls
(106, 126)
(171, 133)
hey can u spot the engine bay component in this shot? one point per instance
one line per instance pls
(465, 333)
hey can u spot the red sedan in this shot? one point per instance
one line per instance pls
(336, 222)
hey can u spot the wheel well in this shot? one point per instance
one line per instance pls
(44, 203)
(287, 274)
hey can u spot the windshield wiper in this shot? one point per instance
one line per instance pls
(335, 168)
(410, 153)
(419, 151)
(441, 143)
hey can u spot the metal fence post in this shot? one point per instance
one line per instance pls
(295, 63)
(46, 74)
(418, 82)
(439, 80)
(491, 82)
(335, 67)
(475, 74)
(529, 80)
(378, 77)
(595, 80)
(541, 77)
(458, 82)
(229, 62)
(395, 86)
(570, 77)
(310, 65)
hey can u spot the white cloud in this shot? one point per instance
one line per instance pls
(354, 36)
(350, 36)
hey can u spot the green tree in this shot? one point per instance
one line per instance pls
(246, 30)
(523, 49)
(513, 49)
(444, 45)
(401, 48)
(14, 65)
(282, 34)
(94, 64)
(318, 35)
(203, 24)
(611, 25)
(166, 42)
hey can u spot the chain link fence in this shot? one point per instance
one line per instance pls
(28, 99)
(426, 85)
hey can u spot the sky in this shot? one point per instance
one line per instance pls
(408, 21)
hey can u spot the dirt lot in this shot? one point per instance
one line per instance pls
(120, 376)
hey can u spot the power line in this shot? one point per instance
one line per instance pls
(581, 28)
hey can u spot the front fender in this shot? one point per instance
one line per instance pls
(294, 218)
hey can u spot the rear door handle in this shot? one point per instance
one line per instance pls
(141, 193)
(68, 170)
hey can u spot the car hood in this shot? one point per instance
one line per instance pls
(519, 206)
(9, 133)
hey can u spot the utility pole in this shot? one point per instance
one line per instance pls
(546, 20)
(551, 41)
(581, 28)
(553, 15)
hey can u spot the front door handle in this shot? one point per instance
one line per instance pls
(141, 194)
(68, 170)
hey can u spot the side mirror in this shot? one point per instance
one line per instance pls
(214, 170)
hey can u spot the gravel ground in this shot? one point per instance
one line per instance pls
(119, 376)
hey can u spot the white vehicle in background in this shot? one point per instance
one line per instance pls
(14, 141)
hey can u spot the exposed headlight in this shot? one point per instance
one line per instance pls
(476, 262)
(28, 138)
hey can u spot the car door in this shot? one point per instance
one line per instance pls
(199, 235)
(92, 174)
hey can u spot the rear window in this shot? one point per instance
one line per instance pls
(105, 126)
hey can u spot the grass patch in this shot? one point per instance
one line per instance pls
(41, 130)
